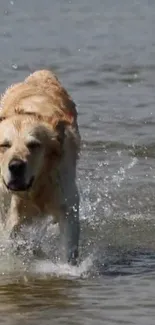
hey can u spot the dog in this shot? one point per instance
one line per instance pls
(39, 149)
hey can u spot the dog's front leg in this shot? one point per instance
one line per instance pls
(13, 222)
(70, 231)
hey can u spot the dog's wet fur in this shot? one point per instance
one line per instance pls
(39, 148)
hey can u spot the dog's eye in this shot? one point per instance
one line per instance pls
(33, 145)
(5, 145)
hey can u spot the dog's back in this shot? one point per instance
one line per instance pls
(42, 94)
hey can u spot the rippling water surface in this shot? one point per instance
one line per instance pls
(104, 53)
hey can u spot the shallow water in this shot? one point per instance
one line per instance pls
(104, 53)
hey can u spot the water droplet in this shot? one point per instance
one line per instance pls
(12, 3)
(119, 153)
(14, 66)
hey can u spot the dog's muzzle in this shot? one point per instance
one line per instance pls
(17, 169)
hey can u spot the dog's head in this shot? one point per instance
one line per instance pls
(28, 148)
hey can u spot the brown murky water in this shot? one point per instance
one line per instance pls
(104, 53)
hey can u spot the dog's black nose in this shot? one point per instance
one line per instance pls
(17, 167)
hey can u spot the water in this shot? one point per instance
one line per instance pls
(104, 53)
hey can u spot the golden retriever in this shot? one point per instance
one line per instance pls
(39, 148)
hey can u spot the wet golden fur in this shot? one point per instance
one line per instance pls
(38, 125)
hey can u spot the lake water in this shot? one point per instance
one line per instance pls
(104, 54)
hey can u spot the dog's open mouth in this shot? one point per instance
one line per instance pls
(18, 186)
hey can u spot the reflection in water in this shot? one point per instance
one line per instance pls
(28, 293)
(29, 299)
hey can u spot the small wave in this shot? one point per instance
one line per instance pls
(134, 150)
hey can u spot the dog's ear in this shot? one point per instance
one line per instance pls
(57, 138)
(60, 129)
(2, 117)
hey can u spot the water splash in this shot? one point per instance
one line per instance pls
(120, 176)
(99, 226)
(63, 270)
